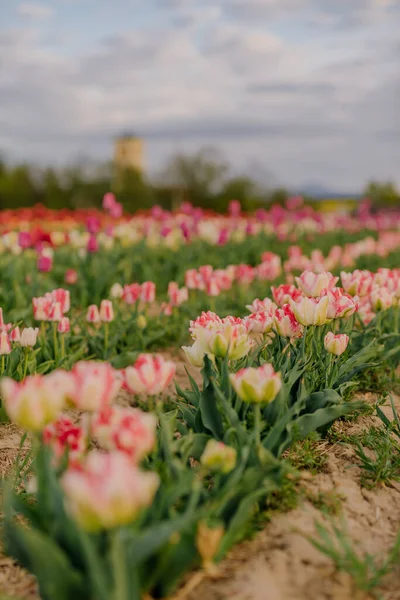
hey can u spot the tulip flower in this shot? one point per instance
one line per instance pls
(109, 201)
(41, 308)
(36, 401)
(62, 297)
(63, 435)
(151, 374)
(128, 430)
(286, 324)
(311, 311)
(117, 291)
(336, 344)
(106, 311)
(64, 325)
(29, 337)
(96, 385)
(93, 314)
(357, 283)
(71, 277)
(44, 263)
(312, 284)
(218, 457)
(260, 322)
(15, 335)
(381, 299)
(5, 345)
(93, 244)
(257, 385)
(286, 292)
(107, 491)
(55, 312)
(148, 293)
(340, 304)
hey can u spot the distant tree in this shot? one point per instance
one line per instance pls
(240, 188)
(133, 190)
(200, 175)
(382, 194)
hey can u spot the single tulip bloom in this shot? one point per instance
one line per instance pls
(61, 296)
(29, 337)
(117, 291)
(5, 345)
(55, 313)
(128, 430)
(218, 457)
(311, 311)
(93, 314)
(151, 374)
(312, 284)
(41, 308)
(96, 385)
(36, 401)
(106, 311)
(286, 324)
(44, 263)
(15, 335)
(257, 385)
(63, 435)
(107, 491)
(148, 293)
(64, 325)
(336, 344)
(381, 298)
(71, 277)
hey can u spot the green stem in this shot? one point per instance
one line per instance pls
(257, 423)
(26, 352)
(3, 364)
(55, 340)
(62, 346)
(106, 336)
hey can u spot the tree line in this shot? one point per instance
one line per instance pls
(202, 178)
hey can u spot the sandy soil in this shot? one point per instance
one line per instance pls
(279, 563)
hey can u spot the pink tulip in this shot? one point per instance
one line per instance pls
(286, 292)
(106, 311)
(15, 335)
(286, 323)
(151, 374)
(381, 298)
(260, 322)
(93, 244)
(64, 325)
(5, 345)
(116, 211)
(265, 305)
(55, 313)
(109, 201)
(336, 344)
(44, 263)
(107, 491)
(62, 297)
(41, 308)
(131, 293)
(63, 435)
(128, 430)
(340, 304)
(71, 277)
(312, 284)
(96, 385)
(93, 225)
(37, 400)
(93, 314)
(148, 293)
(24, 239)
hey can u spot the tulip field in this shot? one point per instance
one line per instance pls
(180, 391)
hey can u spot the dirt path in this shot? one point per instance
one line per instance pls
(279, 563)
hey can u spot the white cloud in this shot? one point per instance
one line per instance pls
(34, 11)
(324, 108)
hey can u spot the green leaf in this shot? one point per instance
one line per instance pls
(41, 556)
(210, 414)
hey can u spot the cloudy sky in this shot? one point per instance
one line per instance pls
(306, 90)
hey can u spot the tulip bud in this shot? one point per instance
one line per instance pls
(208, 540)
(5, 346)
(64, 325)
(336, 344)
(92, 245)
(257, 385)
(218, 457)
(106, 311)
(44, 263)
(141, 322)
(93, 315)
(117, 291)
(55, 313)
(71, 276)
(15, 335)
(29, 337)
